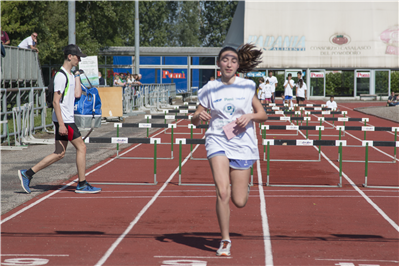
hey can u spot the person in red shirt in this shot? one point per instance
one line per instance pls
(4, 38)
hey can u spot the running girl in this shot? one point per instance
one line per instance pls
(288, 85)
(229, 99)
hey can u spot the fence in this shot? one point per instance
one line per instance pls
(151, 97)
(13, 104)
(20, 68)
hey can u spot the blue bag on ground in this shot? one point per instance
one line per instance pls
(86, 106)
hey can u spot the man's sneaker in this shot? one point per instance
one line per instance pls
(87, 188)
(25, 181)
(224, 249)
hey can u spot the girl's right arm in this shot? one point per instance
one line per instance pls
(200, 114)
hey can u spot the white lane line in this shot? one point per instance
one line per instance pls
(65, 186)
(34, 255)
(395, 261)
(192, 257)
(375, 206)
(265, 223)
(140, 214)
(214, 196)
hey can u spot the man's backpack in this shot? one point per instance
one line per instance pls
(50, 90)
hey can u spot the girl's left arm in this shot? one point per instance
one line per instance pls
(259, 115)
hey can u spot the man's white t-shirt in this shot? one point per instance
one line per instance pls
(288, 89)
(261, 93)
(227, 103)
(67, 105)
(300, 92)
(272, 81)
(26, 42)
(268, 91)
(331, 104)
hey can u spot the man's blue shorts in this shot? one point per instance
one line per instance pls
(235, 164)
(288, 97)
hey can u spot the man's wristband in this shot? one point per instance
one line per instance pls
(77, 75)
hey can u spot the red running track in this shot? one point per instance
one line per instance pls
(168, 224)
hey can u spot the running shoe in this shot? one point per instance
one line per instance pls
(25, 181)
(224, 249)
(87, 189)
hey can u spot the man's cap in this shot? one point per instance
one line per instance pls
(73, 49)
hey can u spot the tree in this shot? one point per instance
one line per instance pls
(216, 17)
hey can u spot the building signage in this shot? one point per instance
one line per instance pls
(363, 74)
(317, 74)
(279, 43)
(256, 74)
(340, 39)
(167, 74)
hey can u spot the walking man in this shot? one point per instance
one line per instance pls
(66, 89)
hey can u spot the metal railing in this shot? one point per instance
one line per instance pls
(152, 97)
(20, 68)
(16, 99)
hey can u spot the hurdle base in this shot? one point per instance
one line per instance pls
(367, 186)
(280, 185)
(350, 161)
(130, 184)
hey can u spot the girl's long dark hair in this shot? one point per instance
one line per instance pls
(300, 83)
(248, 57)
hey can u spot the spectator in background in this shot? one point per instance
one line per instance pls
(288, 85)
(212, 78)
(130, 80)
(300, 89)
(268, 92)
(273, 82)
(393, 100)
(118, 81)
(101, 80)
(261, 91)
(30, 42)
(137, 78)
(332, 104)
(4, 38)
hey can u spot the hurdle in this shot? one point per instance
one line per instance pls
(368, 143)
(302, 142)
(291, 127)
(118, 140)
(198, 142)
(365, 129)
(175, 117)
(147, 126)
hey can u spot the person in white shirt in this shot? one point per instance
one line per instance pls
(67, 87)
(230, 100)
(300, 89)
(332, 104)
(29, 42)
(261, 91)
(288, 85)
(268, 92)
(273, 83)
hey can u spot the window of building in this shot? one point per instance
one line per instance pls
(340, 83)
(150, 60)
(174, 60)
(208, 61)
